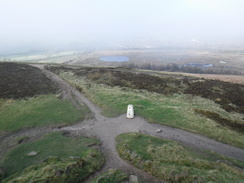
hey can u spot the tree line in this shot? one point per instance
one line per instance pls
(181, 68)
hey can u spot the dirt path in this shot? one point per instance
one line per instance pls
(103, 128)
(107, 129)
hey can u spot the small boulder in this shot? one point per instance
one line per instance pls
(133, 155)
(32, 153)
(158, 131)
(133, 179)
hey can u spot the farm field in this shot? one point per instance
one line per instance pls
(225, 58)
(42, 57)
(232, 58)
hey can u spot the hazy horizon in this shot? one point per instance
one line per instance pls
(29, 24)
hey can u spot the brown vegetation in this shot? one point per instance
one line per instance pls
(230, 96)
(172, 67)
(21, 80)
(227, 78)
(222, 121)
(233, 58)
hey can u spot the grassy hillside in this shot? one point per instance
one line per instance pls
(162, 159)
(223, 93)
(29, 99)
(21, 80)
(170, 106)
(44, 110)
(87, 158)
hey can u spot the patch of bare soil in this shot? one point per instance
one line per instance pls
(22, 80)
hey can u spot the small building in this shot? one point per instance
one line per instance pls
(130, 111)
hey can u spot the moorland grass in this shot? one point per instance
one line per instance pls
(53, 144)
(43, 110)
(173, 162)
(59, 170)
(111, 176)
(173, 110)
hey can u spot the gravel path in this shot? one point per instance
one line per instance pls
(107, 129)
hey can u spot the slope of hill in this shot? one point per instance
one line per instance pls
(21, 80)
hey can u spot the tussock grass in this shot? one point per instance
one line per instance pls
(176, 110)
(44, 110)
(55, 169)
(111, 176)
(173, 162)
(53, 144)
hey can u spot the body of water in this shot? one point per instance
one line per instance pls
(116, 58)
(199, 65)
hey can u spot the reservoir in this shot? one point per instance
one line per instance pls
(115, 58)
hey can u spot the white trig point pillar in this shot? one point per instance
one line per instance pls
(130, 111)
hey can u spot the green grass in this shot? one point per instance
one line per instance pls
(111, 176)
(173, 162)
(53, 144)
(40, 111)
(173, 110)
(59, 170)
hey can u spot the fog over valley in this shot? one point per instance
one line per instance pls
(121, 91)
(85, 24)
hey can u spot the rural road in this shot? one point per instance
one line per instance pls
(107, 129)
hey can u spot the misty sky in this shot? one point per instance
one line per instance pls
(47, 22)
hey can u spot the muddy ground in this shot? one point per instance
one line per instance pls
(229, 95)
(21, 80)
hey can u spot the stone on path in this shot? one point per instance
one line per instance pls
(32, 153)
(133, 179)
(158, 131)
